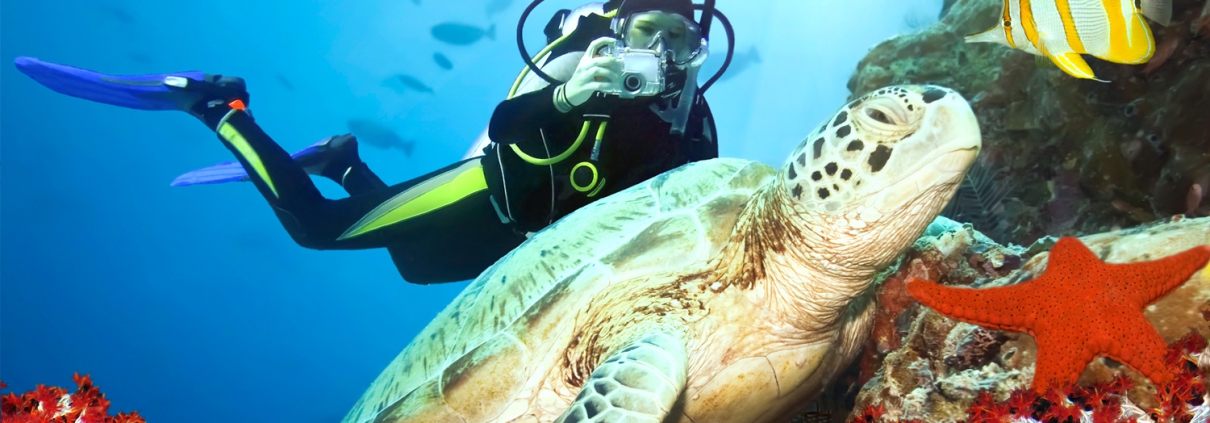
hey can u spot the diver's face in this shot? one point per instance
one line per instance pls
(663, 31)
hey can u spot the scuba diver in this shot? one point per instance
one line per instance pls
(613, 103)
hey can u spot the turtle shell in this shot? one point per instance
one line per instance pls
(505, 330)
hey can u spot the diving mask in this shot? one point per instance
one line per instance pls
(668, 34)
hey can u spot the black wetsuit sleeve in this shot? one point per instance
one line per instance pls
(521, 116)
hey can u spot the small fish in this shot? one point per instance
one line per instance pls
(281, 79)
(401, 81)
(379, 136)
(461, 34)
(739, 63)
(416, 2)
(442, 61)
(1062, 30)
(497, 6)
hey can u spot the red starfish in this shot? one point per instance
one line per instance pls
(1078, 309)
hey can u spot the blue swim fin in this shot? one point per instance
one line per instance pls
(312, 159)
(218, 174)
(143, 92)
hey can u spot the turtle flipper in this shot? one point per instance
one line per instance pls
(639, 383)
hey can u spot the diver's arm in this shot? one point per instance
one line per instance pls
(533, 106)
(521, 116)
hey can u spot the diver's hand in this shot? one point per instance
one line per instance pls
(594, 73)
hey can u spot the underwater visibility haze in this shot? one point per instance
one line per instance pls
(136, 249)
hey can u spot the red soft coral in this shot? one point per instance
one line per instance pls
(1102, 399)
(1106, 415)
(1120, 384)
(985, 409)
(1179, 352)
(53, 404)
(871, 414)
(1022, 401)
(48, 399)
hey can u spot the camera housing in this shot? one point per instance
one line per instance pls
(642, 72)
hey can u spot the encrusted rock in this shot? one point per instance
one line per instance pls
(943, 364)
(1064, 156)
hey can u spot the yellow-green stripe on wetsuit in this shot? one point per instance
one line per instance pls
(439, 227)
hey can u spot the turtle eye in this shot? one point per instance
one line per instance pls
(878, 115)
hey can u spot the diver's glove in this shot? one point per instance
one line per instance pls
(594, 73)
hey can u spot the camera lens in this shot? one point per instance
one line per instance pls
(632, 83)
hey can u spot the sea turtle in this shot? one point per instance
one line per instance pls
(721, 291)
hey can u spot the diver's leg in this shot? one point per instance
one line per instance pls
(373, 218)
(358, 179)
(221, 103)
(440, 227)
(342, 164)
(312, 220)
(347, 169)
(439, 246)
(457, 244)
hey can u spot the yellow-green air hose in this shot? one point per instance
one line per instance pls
(555, 159)
(512, 92)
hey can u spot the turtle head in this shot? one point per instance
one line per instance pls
(881, 169)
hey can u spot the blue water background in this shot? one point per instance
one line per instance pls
(192, 304)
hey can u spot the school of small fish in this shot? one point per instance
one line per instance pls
(1059, 30)
(452, 33)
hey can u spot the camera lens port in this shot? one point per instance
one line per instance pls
(632, 83)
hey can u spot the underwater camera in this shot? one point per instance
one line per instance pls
(642, 72)
(565, 23)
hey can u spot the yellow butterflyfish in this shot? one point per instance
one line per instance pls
(1062, 30)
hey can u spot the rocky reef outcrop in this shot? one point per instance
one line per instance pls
(1127, 160)
(921, 366)
(1065, 156)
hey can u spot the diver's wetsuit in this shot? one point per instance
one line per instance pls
(443, 226)
(637, 146)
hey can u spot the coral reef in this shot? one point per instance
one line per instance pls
(924, 366)
(1075, 156)
(1184, 399)
(53, 404)
(1079, 308)
(920, 365)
